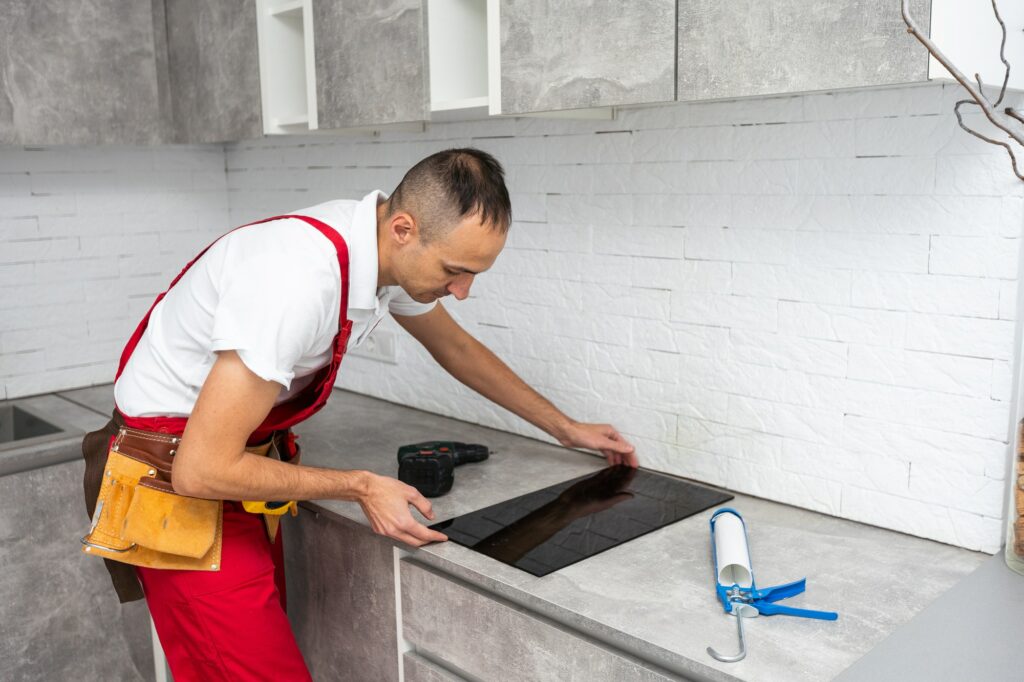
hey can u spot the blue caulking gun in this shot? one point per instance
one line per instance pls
(739, 595)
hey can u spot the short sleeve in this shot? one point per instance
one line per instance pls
(273, 310)
(402, 303)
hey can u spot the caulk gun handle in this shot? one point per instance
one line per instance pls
(770, 609)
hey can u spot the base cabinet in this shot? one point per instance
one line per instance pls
(341, 597)
(59, 615)
(465, 629)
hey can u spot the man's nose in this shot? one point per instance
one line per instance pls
(459, 288)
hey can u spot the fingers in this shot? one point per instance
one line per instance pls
(421, 503)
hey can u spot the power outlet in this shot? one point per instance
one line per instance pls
(379, 346)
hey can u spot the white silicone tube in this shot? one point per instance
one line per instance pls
(731, 551)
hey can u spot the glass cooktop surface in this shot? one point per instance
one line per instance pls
(549, 529)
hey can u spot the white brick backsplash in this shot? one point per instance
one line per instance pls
(976, 175)
(980, 417)
(741, 312)
(811, 298)
(682, 398)
(890, 175)
(971, 336)
(657, 242)
(968, 296)
(994, 257)
(976, 494)
(1011, 222)
(627, 301)
(1002, 381)
(925, 447)
(795, 283)
(739, 245)
(1008, 295)
(686, 275)
(791, 421)
(683, 210)
(840, 323)
(913, 369)
(894, 253)
(550, 237)
(909, 136)
(815, 356)
(797, 140)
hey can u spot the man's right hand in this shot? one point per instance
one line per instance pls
(385, 503)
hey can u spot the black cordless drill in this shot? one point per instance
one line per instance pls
(430, 467)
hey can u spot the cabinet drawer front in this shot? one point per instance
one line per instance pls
(491, 639)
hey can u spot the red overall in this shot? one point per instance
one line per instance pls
(230, 624)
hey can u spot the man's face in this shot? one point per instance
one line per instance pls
(447, 264)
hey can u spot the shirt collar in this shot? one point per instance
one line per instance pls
(362, 243)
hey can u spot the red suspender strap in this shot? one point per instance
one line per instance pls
(310, 399)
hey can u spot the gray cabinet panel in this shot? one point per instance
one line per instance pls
(572, 55)
(78, 73)
(59, 615)
(213, 67)
(490, 639)
(370, 62)
(737, 49)
(341, 598)
(419, 669)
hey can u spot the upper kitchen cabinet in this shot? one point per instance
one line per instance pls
(213, 70)
(337, 64)
(371, 62)
(558, 55)
(750, 47)
(79, 72)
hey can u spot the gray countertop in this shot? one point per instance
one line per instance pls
(654, 596)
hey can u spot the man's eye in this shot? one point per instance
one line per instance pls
(454, 273)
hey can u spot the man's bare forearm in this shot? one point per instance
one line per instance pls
(254, 477)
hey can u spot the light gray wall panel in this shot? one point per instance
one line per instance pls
(214, 70)
(59, 615)
(559, 55)
(341, 598)
(78, 72)
(739, 49)
(490, 639)
(371, 62)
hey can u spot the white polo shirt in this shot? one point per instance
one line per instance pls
(270, 292)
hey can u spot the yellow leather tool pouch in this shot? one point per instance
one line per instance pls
(174, 524)
(138, 517)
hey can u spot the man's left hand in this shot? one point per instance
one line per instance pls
(603, 438)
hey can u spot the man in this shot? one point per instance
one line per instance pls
(246, 342)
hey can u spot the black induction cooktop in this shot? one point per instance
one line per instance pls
(549, 529)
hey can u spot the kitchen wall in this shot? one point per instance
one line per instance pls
(88, 237)
(811, 298)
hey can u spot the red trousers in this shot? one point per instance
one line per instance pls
(229, 624)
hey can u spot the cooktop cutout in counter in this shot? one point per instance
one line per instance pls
(549, 529)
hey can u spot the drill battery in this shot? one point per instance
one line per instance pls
(430, 467)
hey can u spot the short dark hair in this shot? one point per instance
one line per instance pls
(447, 186)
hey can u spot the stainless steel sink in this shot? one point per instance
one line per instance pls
(21, 427)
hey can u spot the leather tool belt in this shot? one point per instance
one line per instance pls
(138, 519)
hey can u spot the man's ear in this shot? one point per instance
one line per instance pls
(403, 228)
